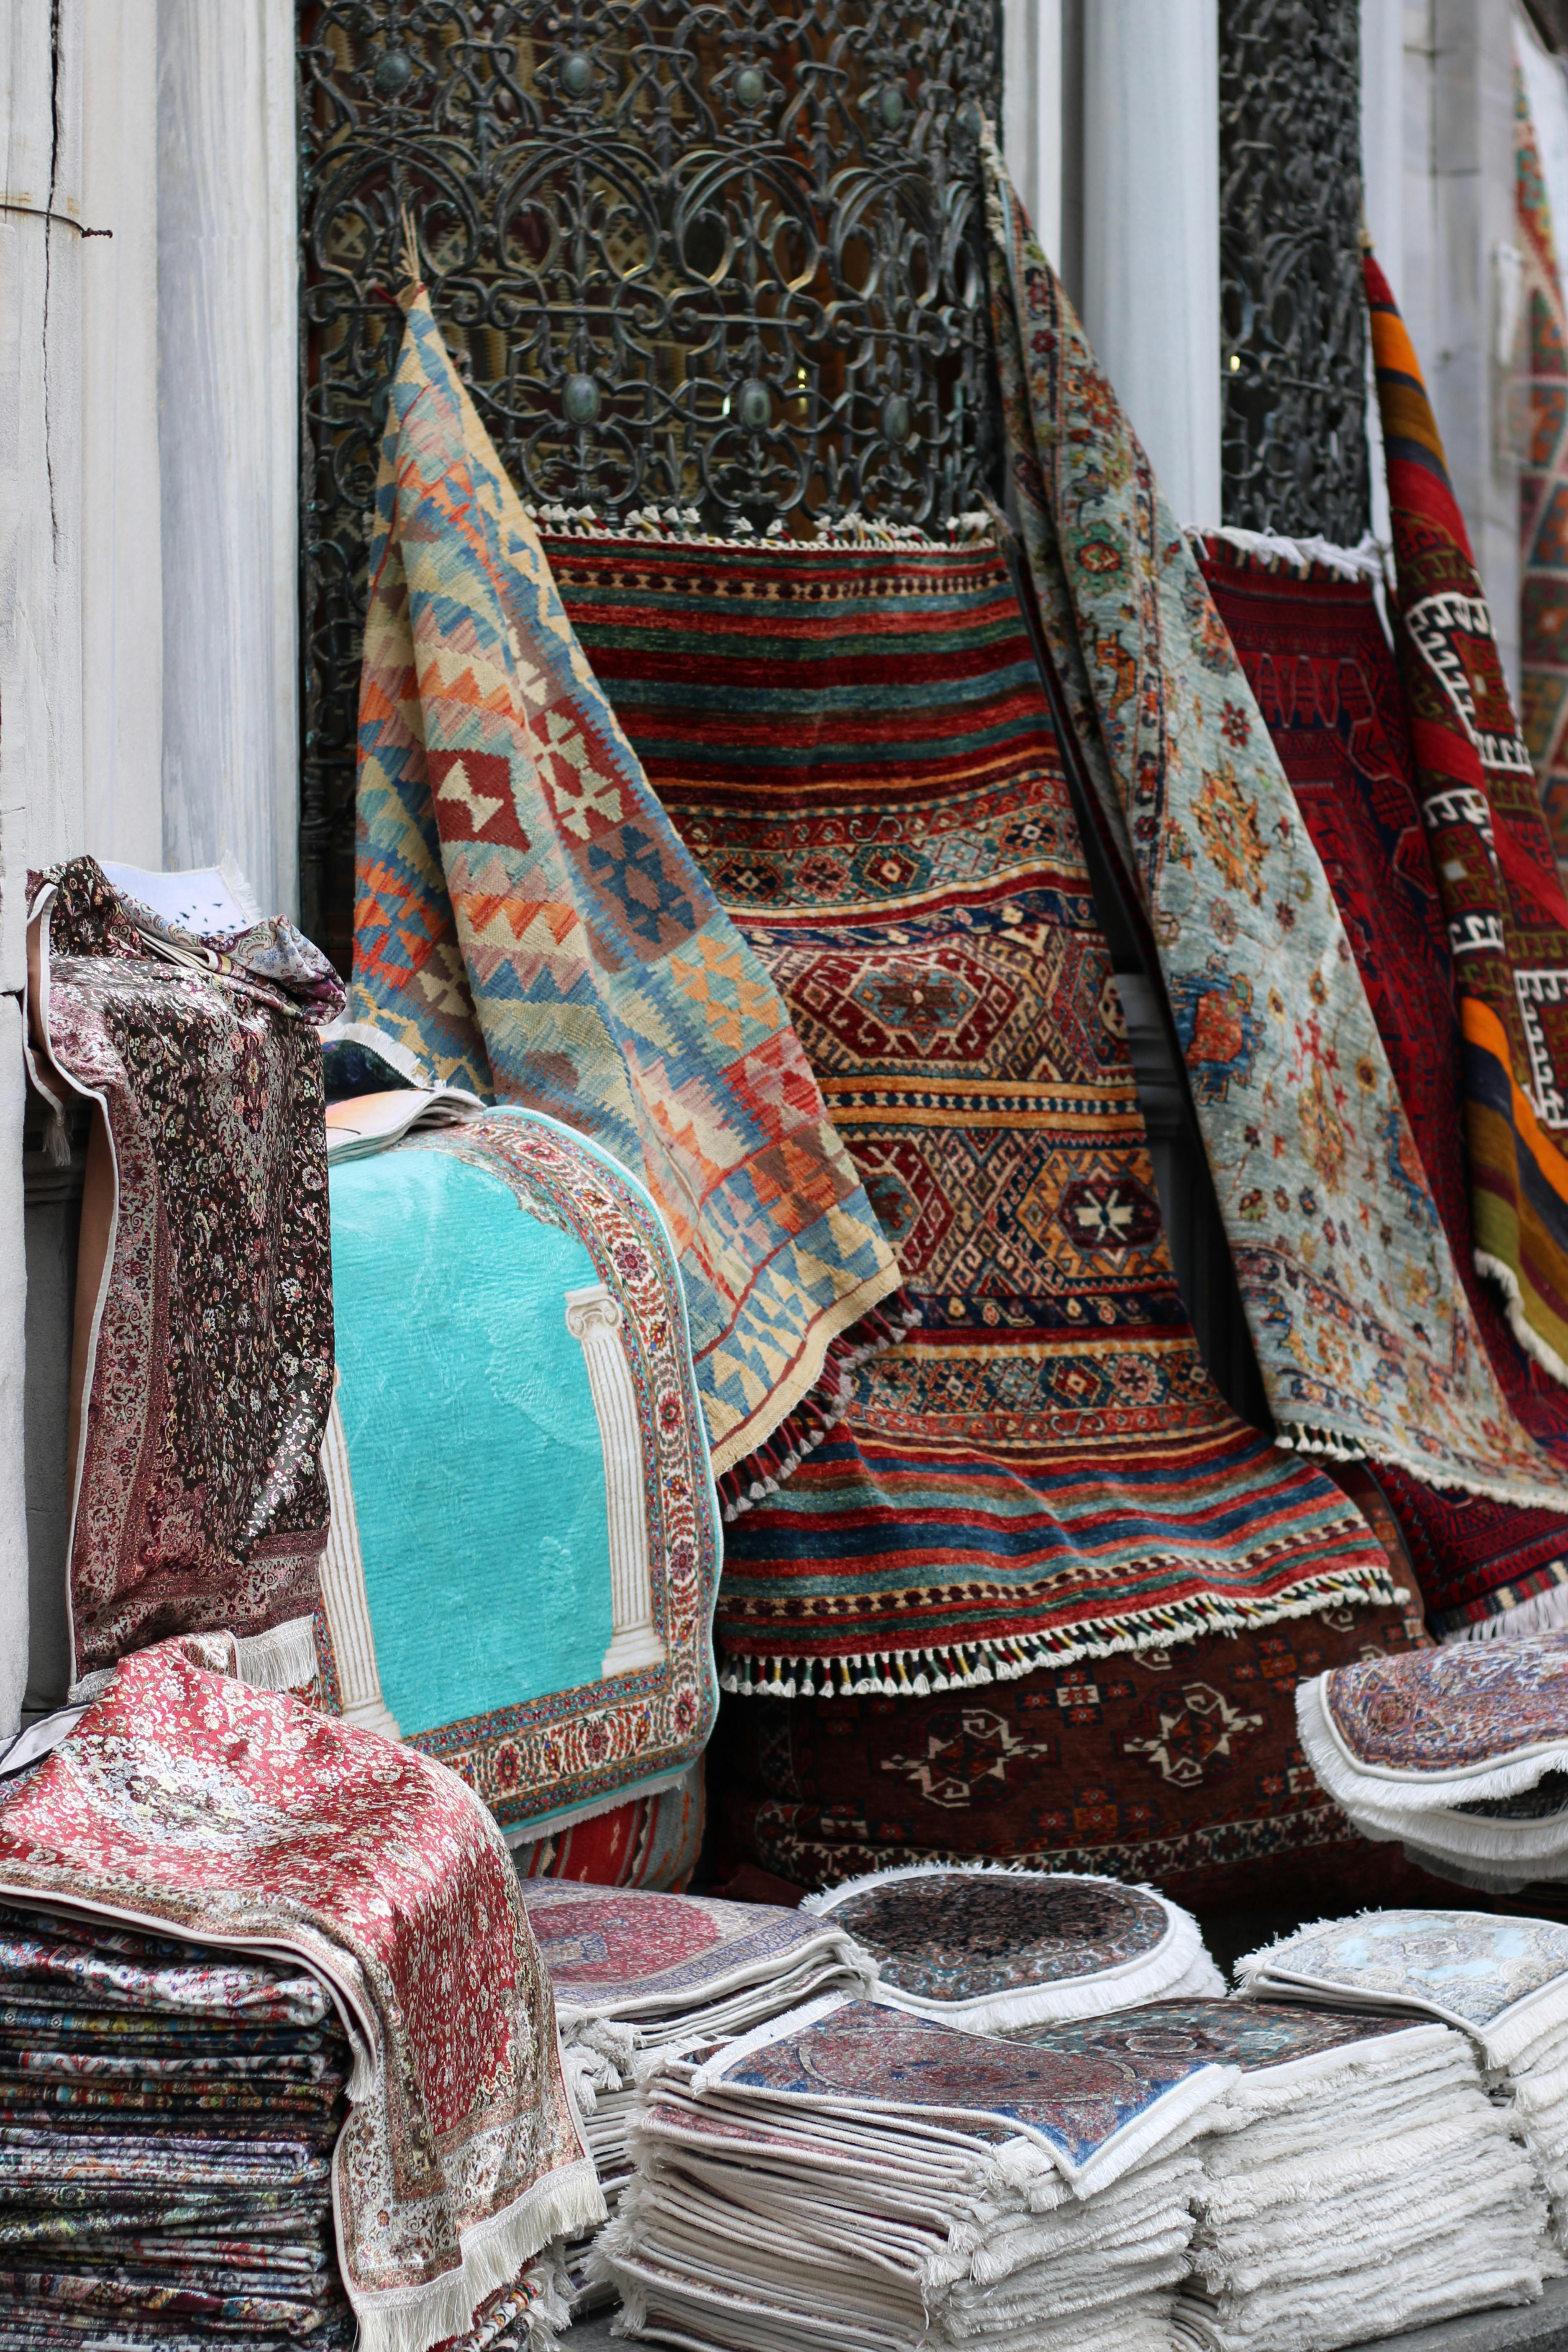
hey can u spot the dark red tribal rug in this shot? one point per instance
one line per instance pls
(1325, 678)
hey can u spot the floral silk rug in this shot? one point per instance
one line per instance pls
(248, 1822)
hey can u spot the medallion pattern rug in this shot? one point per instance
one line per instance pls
(525, 1531)
(1313, 651)
(1181, 1768)
(527, 923)
(1347, 1277)
(202, 1392)
(855, 745)
(1508, 920)
(1544, 489)
(990, 1949)
(248, 1822)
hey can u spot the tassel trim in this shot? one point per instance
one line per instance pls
(1310, 1437)
(683, 525)
(1541, 1605)
(802, 1431)
(1528, 1339)
(927, 1671)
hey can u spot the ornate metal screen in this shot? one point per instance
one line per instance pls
(721, 256)
(1293, 344)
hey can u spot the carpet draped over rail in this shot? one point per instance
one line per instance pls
(527, 924)
(203, 1374)
(854, 743)
(1543, 488)
(1507, 917)
(1314, 654)
(1363, 1335)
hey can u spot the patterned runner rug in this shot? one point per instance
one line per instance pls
(855, 745)
(1362, 1329)
(1313, 651)
(527, 923)
(1544, 489)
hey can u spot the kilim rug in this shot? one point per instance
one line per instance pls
(528, 924)
(854, 743)
(988, 1949)
(204, 1363)
(1544, 489)
(1347, 1277)
(1508, 920)
(1461, 1754)
(652, 1841)
(1181, 1767)
(525, 1544)
(1313, 651)
(246, 1821)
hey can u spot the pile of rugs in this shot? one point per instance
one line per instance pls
(1308, 2233)
(679, 1974)
(1502, 1981)
(856, 2175)
(278, 2054)
(987, 1949)
(1461, 1753)
(167, 2119)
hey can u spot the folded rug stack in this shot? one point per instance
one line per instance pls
(858, 2177)
(1502, 1981)
(1357, 2180)
(1460, 1753)
(639, 1972)
(986, 1948)
(278, 2054)
(167, 2119)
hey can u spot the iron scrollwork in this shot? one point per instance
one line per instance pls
(715, 256)
(1293, 343)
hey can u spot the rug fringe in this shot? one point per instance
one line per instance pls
(1306, 1437)
(1528, 1339)
(1539, 1612)
(682, 526)
(281, 1659)
(926, 1671)
(802, 1431)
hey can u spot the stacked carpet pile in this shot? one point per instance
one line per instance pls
(986, 1948)
(1356, 2181)
(167, 2117)
(1461, 1753)
(857, 2176)
(1502, 1981)
(636, 1972)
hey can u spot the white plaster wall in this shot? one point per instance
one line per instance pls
(121, 584)
(1150, 231)
(1032, 113)
(227, 394)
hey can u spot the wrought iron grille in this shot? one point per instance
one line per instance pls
(1293, 340)
(716, 255)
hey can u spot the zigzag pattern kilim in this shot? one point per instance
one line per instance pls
(855, 745)
(529, 924)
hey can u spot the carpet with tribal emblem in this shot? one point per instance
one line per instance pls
(855, 745)
(1313, 652)
(1507, 918)
(528, 925)
(1544, 489)
(1363, 1332)
(1180, 1768)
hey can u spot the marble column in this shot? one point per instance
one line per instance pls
(594, 1320)
(1150, 231)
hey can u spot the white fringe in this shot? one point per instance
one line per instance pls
(1370, 559)
(1539, 1614)
(682, 526)
(1375, 1790)
(1528, 1339)
(410, 2319)
(1179, 1958)
(965, 1665)
(282, 1659)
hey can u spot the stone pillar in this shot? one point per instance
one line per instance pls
(229, 429)
(593, 1319)
(1032, 113)
(1150, 231)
